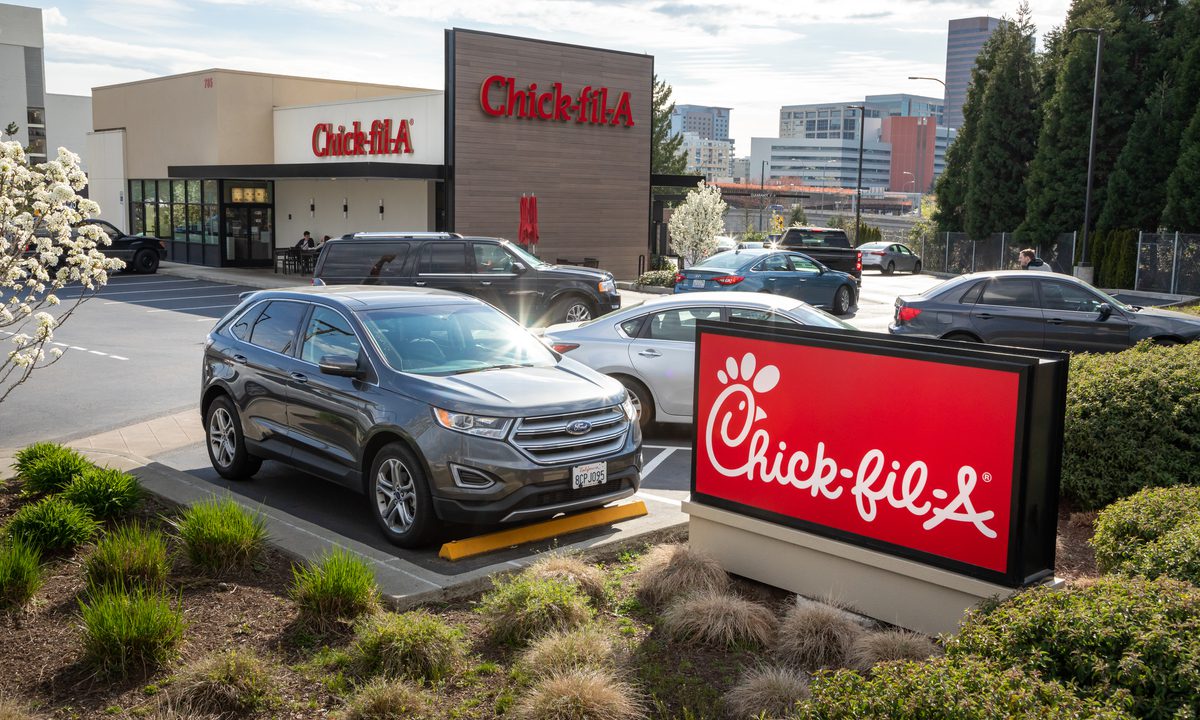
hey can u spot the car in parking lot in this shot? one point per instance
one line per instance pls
(1036, 310)
(889, 257)
(141, 254)
(435, 405)
(491, 269)
(650, 348)
(775, 272)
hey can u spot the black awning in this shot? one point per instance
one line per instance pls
(688, 181)
(391, 171)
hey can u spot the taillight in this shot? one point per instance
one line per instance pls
(858, 262)
(908, 314)
(878, 252)
(678, 278)
(561, 348)
(729, 279)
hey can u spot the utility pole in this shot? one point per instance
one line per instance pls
(1085, 271)
(862, 130)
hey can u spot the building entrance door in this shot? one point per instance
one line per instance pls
(249, 235)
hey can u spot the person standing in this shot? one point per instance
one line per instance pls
(1030, 261)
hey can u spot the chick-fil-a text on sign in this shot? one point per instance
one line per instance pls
(909, 452)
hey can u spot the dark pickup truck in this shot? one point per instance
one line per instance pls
(828, 246)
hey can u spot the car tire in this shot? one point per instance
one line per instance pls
(917, 268)
(398, 497)
(642, 399)
(962, 337)
(572, 308)
(1166, 341)
(146, 262)
(226, 443)
(891, 268)
(841, 300)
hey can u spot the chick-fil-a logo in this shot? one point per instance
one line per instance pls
(735, 424)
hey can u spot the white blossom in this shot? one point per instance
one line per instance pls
(695, 224)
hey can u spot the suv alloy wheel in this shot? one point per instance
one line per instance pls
(399, 496)
(225, 442)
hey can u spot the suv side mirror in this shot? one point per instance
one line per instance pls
(340, 365)
(518, 267)
(1105, 311)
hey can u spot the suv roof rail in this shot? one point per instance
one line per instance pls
(416, 235)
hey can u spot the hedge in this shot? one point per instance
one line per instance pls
(1117, 637)
(1153, 533)
(1132, 421)
(658, 278)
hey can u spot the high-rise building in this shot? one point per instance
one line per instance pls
(707, 157)
(906, 105)
(964, 40)
(710, 123)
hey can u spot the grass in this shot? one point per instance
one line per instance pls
(220, 535)
(767, 690)
(416, 645)
(230, 682)
(51, 524)
(719, 619)
(20, 574)
(129, 555)
(671, 571)
(888, 646)
(336, 589)
(11, 710)
(580, 694)
(387, 699)
(129, 632)
(589, 578)
(1193, 308)
(521, 608)
(48, 468)
(589, 646)
(105, 492)
(813, 636)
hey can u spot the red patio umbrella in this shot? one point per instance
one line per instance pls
(531, 217)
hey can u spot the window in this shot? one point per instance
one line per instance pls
(328, 333)
(1068, 297)
(759, 316)
(1010, 292)
(365, 262)
(275, 328)
(491, 258)
(679, 325)
(803, 264)
(773, 263)
(631, 327)
(971, 296)
(443, 258)
(35, 115)
(240, 328)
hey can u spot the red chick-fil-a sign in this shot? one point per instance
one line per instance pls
(502, 96)
(384, 137)
(881, 450)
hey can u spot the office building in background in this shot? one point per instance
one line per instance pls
(964, 40)
(710, 123)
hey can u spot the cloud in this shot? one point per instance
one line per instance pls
(53, 17)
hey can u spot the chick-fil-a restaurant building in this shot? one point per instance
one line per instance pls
(226, 166)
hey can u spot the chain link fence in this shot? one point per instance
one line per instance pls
(957, 253)
(1168, 263)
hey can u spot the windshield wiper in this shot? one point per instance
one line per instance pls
(494, 367)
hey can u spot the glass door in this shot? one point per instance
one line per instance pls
(249, 235)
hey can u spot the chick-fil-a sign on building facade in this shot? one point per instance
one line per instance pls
(501, 96)
(892, 446)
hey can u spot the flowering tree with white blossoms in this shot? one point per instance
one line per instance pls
(41, 251)
(696, 223)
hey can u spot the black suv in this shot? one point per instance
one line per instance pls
(491, 269)
(141, 254)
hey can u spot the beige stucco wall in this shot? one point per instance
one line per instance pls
(406, 206)
(212, 117)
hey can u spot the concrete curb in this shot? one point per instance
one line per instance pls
(647, 289)
(250, 278)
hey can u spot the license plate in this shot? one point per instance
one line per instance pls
(697, 283)
(588, 475)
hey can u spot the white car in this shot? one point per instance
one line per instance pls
(650, 347)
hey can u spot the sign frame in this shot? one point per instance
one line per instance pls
(1037, 451)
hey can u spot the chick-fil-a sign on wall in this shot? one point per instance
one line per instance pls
(906, 452)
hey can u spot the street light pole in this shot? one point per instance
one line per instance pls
(862, 131)
(762, 192)
(1084, 270)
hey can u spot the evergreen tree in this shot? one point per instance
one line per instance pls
(1006, 133)
(665, 155)
(1183, 187)
(952, 185)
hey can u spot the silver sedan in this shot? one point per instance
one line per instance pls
(650, 347)
(888, 257)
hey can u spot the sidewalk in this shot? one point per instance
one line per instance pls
(261, 278)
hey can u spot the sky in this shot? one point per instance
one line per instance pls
(750, 55)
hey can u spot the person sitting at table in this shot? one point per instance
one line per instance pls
(306, 242)
(324, 240)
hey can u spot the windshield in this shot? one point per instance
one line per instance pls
(524, 255)
(874, 245)
(452, 340)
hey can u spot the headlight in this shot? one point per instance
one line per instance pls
(631, 413)
(488, 427)
(607, 287)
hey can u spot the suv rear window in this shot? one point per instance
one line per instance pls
(815, 238)
(361, 262)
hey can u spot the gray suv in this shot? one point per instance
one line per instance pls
(435, 405)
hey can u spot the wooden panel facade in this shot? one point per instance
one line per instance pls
(592, 181)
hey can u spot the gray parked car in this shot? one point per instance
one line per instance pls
(1036, 310)
(888, 257)
(651, 347)
(435, 405)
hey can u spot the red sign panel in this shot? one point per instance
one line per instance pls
(913, 453)
(501, 96)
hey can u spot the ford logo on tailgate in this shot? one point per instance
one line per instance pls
(579, 427)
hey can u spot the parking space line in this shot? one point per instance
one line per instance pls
(656, 461)
(167, 290)
(667, 447)
(659, 498)
(188, 297)
(202, 307)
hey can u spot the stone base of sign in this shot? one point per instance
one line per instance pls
(897, 591)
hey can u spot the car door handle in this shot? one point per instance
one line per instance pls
(240, 359)
(299, 377)
(485, 283)
(1055, 321)
(650, 353)
(984, 316)
(419, 282)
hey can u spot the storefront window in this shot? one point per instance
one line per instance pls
(150, 218)
(179, 191)
(150, 193)
(137, 224)
(179, 224)
(164, 191)
(248, 192)
(211, 195)
(164, 220)
(212, 224)
(135, 191)
(193, 191)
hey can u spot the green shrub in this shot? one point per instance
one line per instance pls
(520, 608)
(384, 699)
(53, 523)
(129, 632)
(129, 555)
(231, 682)
(20, 574)
(718, 619)
(29, 455)
(107, 493)
(580, 694)
(1155, 532)
(221, 535)
(588, 646)
(51, 467)
(1132, 421)
(1117, 635)
(658, 278)
(339, 587)
(416, 645)
(963, 688)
